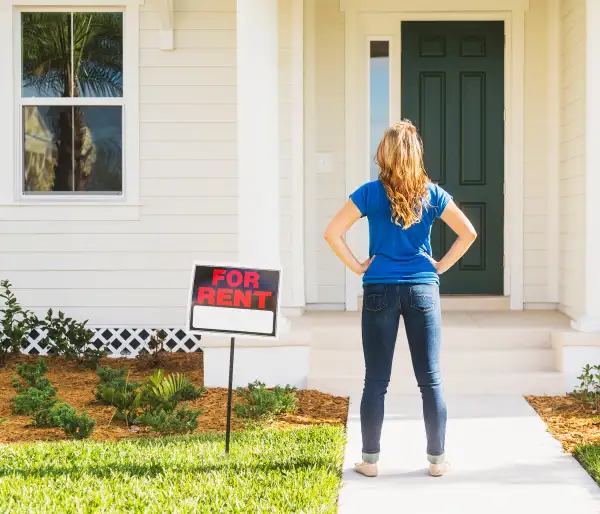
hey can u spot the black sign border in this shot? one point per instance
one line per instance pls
(257, 335)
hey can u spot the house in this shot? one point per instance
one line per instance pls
(138, 136)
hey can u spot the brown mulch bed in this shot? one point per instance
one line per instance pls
(570, 420)
(75, 386)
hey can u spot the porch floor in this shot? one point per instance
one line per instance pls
(503, 460)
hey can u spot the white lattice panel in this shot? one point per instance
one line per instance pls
(122, 342)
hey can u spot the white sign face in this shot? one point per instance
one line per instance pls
(234, 300)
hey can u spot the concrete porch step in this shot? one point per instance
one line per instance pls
(461, 330)
(349, 337)
(543, 383)
(347, 364)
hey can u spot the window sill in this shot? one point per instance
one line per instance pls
(67, 211)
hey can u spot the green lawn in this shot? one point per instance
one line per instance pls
(589, 457)
(267, 471)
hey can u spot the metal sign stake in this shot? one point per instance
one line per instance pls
(229, 396)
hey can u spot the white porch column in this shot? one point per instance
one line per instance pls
(274, 362)
(258, 132)
(590, 321)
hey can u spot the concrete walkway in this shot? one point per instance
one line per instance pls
(503, 460)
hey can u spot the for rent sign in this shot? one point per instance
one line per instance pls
(234, 300)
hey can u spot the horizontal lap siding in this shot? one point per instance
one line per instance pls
(572, 149)
(136, 273)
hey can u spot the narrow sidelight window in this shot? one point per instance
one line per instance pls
(379, 97)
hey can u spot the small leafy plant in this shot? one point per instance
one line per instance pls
(125, 399)
(2, 420)
(31, 402)
(16, 323)
(189, 392)
(154, 355)
(115, 379)
(262, 404)
(35, 396)
(589, 387)
(161, 393)
(180, 421)
(75, 426)
(71, 339)
(33, 377)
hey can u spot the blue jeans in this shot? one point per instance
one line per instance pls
(419, 305)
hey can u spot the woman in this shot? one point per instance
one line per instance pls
(401, 278)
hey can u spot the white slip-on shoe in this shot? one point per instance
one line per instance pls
(439, 470)
(367, 469)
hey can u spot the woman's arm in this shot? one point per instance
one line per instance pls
(465, 231)
(334, 235)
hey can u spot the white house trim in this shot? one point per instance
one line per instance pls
(590, 320)
(75, 3)
(553, 42)
(167, 25)
(12, 202)
(386, 22)
(310, 150)
(298, 269)
(439, 6)
(354, 58)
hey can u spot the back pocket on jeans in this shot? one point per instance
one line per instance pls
(375, 297)
(422, 298)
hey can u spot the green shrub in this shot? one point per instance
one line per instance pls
(43, 417)
(16, 323)
(2, 420)
(125, 400)
(589, 386)
(263, 404)
(77, 427)
(71, 339)
(112, 379)
(153, 356)
(34, 403)
(189, 392)
(180, 421)
(33, 377)
(160, 392)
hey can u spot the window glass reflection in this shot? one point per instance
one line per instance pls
(379, 99)
(46, 54)
(72, 149)
(98, 54)
(72, 54)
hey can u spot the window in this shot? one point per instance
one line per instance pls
(71, 103)
(379, 97)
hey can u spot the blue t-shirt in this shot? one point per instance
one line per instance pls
(400, 255)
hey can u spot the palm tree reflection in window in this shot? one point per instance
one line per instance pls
(72, 148)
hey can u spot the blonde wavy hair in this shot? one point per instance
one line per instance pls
(401, 170)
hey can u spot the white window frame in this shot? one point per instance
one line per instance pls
(16, 205)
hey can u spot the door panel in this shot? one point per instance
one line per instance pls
(453, 90)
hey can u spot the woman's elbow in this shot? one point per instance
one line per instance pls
(331, 235)
(471, 234)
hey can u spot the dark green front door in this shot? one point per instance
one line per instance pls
(453, 90)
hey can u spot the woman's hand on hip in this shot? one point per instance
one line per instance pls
(436, 264)
(364, 266)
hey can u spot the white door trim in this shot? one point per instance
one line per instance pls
(297, 50)
(311, 226)
(362, 27)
